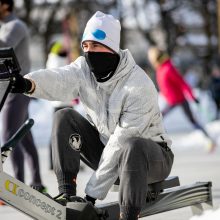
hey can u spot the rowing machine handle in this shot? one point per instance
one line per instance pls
(12, 142)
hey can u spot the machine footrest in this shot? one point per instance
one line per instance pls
(170, 199)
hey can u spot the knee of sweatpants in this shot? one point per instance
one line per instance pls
(63, 115)
(136, 144)
(61, 119)
(134, 149)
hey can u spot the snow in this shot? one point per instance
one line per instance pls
(208, 215)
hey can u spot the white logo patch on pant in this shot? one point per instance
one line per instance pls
(75, 141)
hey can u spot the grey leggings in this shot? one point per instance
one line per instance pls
(14, 114)
(186, 108)
(142, 161)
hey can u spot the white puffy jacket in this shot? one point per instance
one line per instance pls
(124, 106)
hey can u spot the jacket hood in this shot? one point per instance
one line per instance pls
(125, 66)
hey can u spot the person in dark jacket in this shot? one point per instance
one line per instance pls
(14, 33)
(215, 88)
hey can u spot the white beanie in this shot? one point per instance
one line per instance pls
(103, 28)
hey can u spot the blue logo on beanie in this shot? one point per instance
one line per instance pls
(99, 34)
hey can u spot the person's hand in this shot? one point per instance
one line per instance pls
(197, 101)
(20, 84)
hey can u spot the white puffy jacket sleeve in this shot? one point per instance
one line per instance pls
(136, 118)
(57, 84)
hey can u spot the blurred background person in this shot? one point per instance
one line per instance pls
(58, 56)
(174, 89)
(14, 33)
(215, 88)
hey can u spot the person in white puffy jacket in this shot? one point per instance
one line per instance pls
(123, 135)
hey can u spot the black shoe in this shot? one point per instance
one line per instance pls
(40, 188)
(64, 198)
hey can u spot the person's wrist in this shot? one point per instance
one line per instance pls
(90, 199)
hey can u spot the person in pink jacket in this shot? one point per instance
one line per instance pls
(174, 88)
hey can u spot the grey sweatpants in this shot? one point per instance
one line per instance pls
(142, 161)
(14, 114)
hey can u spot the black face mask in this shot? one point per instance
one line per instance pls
(102, 64)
